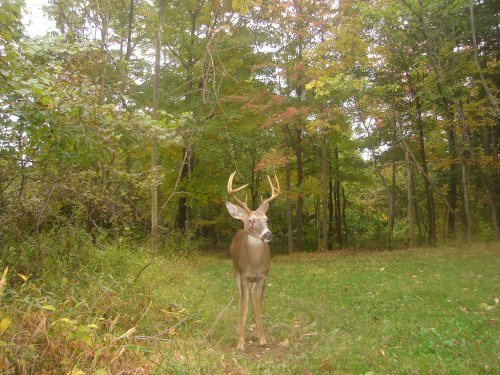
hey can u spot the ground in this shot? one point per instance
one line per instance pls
(412, 311)
(406, 311)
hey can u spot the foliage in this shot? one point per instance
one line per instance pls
(379, 118)
(257, 91)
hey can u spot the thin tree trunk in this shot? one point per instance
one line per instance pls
(330, 211)
(431, 216)
(299, 213)
(344, 220)
(336, 196)
(289, 232)
(128, 53)
(324, 192)
(464, 161)
(491, 176)
(317, 210)
(154, 146)
(392, 204)
(104, 50)
(182, 209)
(409, 192)
(452, 180)
(338, 213)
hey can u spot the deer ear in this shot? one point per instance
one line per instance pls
(236, 212)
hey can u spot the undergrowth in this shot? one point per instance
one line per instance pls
(69, 306)
(115, 310)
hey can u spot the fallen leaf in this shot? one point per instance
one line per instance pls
(285, 343)
(4, 324)
(486, 307)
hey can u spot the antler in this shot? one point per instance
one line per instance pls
(275, 192)
(231, 191)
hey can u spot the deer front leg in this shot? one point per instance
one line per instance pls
(258, 310)
(244, 290)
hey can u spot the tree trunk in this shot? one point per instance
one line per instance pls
(409, 193)
(338, 213)
(392, 204)
(344, 220)
(299, 214)
(431, 216)
(154, 146)
(324, 192)
(289, 232)
(491, 176)
(464, 161)
(452, 181)
(128, 52)
(336, 196)
(330, 212)
(182, 209)
(317, 210)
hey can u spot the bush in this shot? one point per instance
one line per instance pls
(175, 245)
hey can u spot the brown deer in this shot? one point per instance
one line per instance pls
(251, 256)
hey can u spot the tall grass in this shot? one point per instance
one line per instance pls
(116, 310)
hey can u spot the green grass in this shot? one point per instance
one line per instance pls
(409, 311)
(417, 311)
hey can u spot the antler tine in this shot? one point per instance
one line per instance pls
(231, 192)
(277, 183)
(275, 190)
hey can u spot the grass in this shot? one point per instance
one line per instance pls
(416, 311)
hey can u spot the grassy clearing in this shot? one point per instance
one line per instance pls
(410, 311)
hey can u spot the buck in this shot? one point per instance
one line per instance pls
(251, 256)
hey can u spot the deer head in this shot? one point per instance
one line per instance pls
(255, 222)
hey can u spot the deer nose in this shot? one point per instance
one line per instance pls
(267, 235)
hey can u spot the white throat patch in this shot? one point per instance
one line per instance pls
(254, 241)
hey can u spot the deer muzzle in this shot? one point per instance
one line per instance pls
(266, 235)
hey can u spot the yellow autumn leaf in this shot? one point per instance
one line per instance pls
(48, 307)
(4, 324)
(76, 371)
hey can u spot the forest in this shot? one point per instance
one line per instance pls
(120, 127)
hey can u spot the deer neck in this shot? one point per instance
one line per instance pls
(253, 241)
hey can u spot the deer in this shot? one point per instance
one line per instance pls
(251, 256)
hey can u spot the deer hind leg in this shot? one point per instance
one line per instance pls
(244, 290)
(258, 310)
